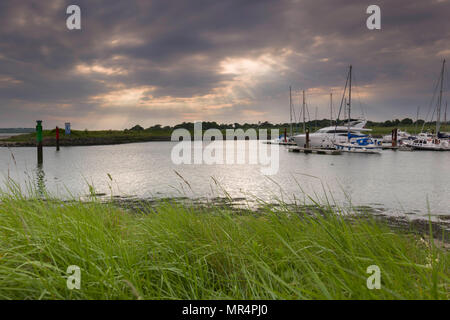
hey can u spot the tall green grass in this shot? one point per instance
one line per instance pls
(179, 251)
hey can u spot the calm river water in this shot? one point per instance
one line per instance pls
(395, 181)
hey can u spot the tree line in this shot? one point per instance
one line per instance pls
(313, 124)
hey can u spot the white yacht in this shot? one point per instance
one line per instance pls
(354, 140)
(326, 137)
(349, 135)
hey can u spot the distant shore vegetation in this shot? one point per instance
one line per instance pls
(158, 132)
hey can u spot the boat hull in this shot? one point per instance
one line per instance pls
(430, 148)
(318, 141)
(349, 147)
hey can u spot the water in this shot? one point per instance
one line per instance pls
(7, 135)
(398, 182)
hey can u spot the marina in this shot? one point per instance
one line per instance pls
(352, 136)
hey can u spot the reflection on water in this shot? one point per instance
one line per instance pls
(402, 182)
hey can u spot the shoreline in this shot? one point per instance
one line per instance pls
(90, 142)
(78, 142)
(114, 137)
(440, 228)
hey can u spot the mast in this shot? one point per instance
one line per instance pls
(417, 120)
(445, 115)
(315, 120)
(438, 113)
(300, 111)
(331, 109)
(345, 110)
(290, 110)
(304, 123)
(349, 100)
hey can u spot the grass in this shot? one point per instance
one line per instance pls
(78, 137)
(411, 129)
(185, 252)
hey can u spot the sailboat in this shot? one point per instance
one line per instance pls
(283, 138)
(356, 143)
(438, 141)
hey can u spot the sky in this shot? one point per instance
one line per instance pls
(165, 62)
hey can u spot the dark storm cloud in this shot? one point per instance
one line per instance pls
(167, 61)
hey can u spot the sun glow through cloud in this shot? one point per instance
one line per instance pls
(85, 69)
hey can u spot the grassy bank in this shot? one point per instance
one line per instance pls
(105, 137)
(84, 138)
(411, 129)
(181, 252)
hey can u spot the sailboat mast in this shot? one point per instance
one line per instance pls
(290, 109)
(345, 110)
(349, 99)
(304, 123)
(438, 113)
(315, 120)
(417, 120)
(331, 109)
(445, 115)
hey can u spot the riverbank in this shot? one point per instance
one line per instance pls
(85, 138)
(91, 138)
(177, 251)
(109, 137)
(440, 225)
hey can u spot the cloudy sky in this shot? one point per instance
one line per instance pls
(164, 62)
